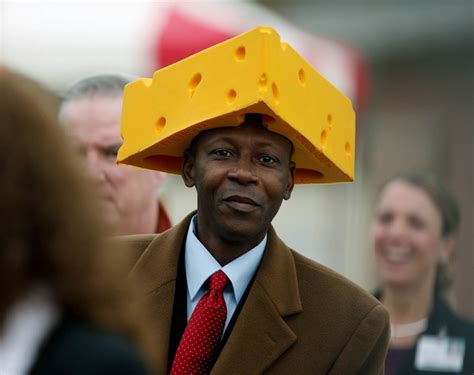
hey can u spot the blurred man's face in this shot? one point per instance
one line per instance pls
(126, 193)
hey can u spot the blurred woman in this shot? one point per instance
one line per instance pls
(413, 234)
(65, 304)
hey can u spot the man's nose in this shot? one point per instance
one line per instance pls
(243, 171)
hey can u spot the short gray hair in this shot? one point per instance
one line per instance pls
(105, 84)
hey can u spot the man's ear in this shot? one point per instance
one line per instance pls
(187, 169)
(291, 182)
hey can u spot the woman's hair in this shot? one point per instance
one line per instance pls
(448, 209)
(51, 232)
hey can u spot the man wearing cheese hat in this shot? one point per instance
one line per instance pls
(242, 122)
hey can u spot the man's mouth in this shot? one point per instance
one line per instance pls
(241, 203)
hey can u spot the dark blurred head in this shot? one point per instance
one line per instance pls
(47, 220)
(50, 233)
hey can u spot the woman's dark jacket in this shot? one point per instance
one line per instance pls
(443, 320)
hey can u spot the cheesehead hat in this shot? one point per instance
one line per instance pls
(250, 73)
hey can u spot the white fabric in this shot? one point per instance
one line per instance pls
(28, 322)
(200, 265)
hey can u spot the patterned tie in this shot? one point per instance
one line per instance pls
(204, 330)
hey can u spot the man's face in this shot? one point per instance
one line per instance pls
(241, 174)
(126, 194)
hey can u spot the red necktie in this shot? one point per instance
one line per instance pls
(203, 333)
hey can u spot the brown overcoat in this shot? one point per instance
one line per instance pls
(299, 317)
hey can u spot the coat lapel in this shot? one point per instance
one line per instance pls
(260, 335)
(158, 266)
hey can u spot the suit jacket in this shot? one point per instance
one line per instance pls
(299, 316)
(76, 347)
(443, 319)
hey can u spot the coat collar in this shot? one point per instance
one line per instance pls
(260, 334)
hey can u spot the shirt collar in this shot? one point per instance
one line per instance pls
(200, 264)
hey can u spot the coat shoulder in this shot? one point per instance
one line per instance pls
(142, 246)
(136, 241)
(134, 245)
(340, 329)
(329, 282)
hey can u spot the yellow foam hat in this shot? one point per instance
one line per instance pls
(250, 73)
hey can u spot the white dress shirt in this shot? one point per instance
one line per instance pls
(200, 265)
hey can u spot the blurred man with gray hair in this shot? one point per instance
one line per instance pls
(91, 111)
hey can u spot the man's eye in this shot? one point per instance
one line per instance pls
(110, 152)
(267, 159)
(222, 153)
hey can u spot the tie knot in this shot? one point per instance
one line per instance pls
(218, 281)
